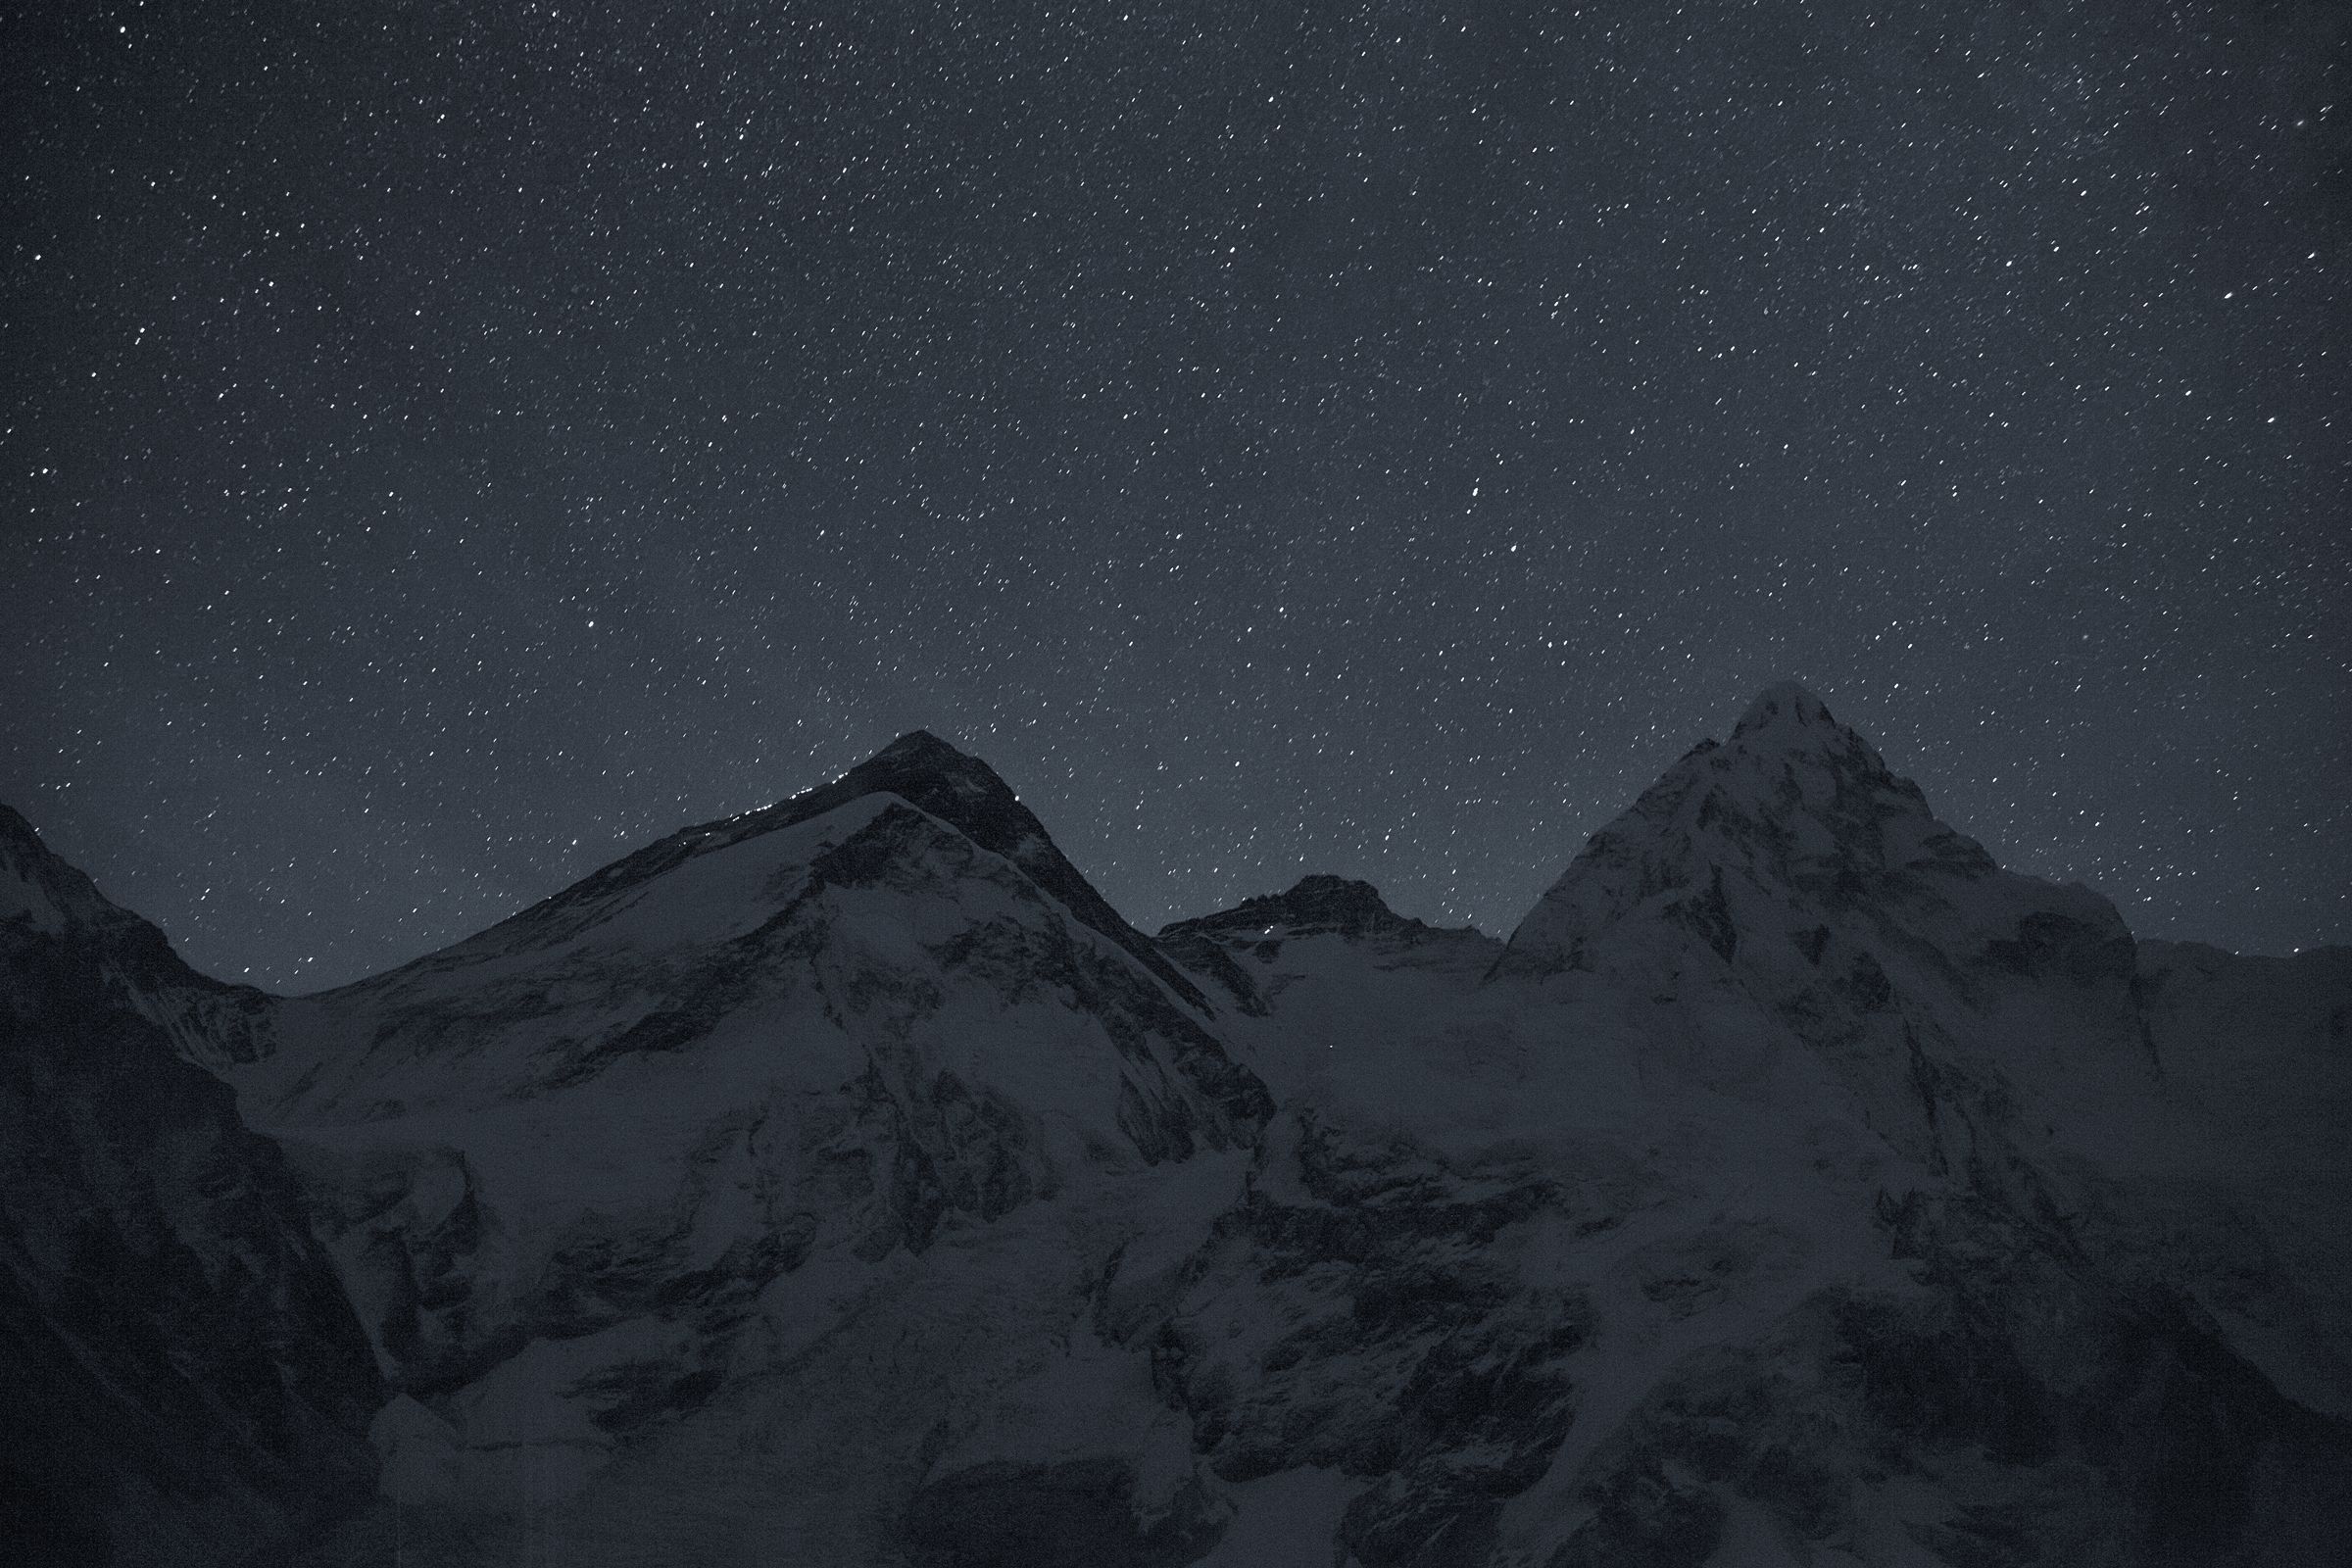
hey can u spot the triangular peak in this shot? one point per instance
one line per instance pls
(919, 751)
(927, 772)
(1785, 705)
(919, 742)
(1795, 804)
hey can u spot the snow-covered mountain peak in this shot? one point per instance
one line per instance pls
(966, 793)
(1788, 732)
(922, 767)
(1796, 810)
(946, 785)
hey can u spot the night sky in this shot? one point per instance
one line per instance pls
(449, 444)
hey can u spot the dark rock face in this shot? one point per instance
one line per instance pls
(1358, 1310)
(1314, 904)
(210, 1022)
(187, 1381)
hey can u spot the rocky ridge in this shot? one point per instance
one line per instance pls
(187, 1383)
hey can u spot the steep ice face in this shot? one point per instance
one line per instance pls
(1799, 1132)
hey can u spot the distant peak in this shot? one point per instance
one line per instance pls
(1794, 806)
(1317, 903)
(1786, 705)
(1322, 899)
(1321, 887)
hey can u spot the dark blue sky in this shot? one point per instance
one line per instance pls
(446, 445)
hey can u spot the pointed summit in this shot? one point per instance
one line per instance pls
(1795, 807)
(921, 755)
(1785, 705)
(926, 771)
(969, 796)
(1788, 719)
(40, 891)
(922, 742)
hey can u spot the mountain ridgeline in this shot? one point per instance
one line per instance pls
(848, 1182)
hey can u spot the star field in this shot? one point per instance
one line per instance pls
(447, 445)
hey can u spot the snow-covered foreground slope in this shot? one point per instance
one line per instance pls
(847, 1183)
